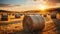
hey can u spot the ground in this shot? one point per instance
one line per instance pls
(15, 26)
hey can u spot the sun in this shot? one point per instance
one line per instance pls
(42, 7)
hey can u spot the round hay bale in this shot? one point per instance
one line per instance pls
(17, 15)
(33, 23)
(53, 16)
(4, 17)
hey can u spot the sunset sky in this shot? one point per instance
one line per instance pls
(22, 5)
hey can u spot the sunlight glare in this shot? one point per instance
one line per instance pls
(42, 7)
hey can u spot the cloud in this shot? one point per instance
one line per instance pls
(56, 1)
(5, 5)
(53, 1)
(8, 5)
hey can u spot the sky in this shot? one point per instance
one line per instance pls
(22, 5)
